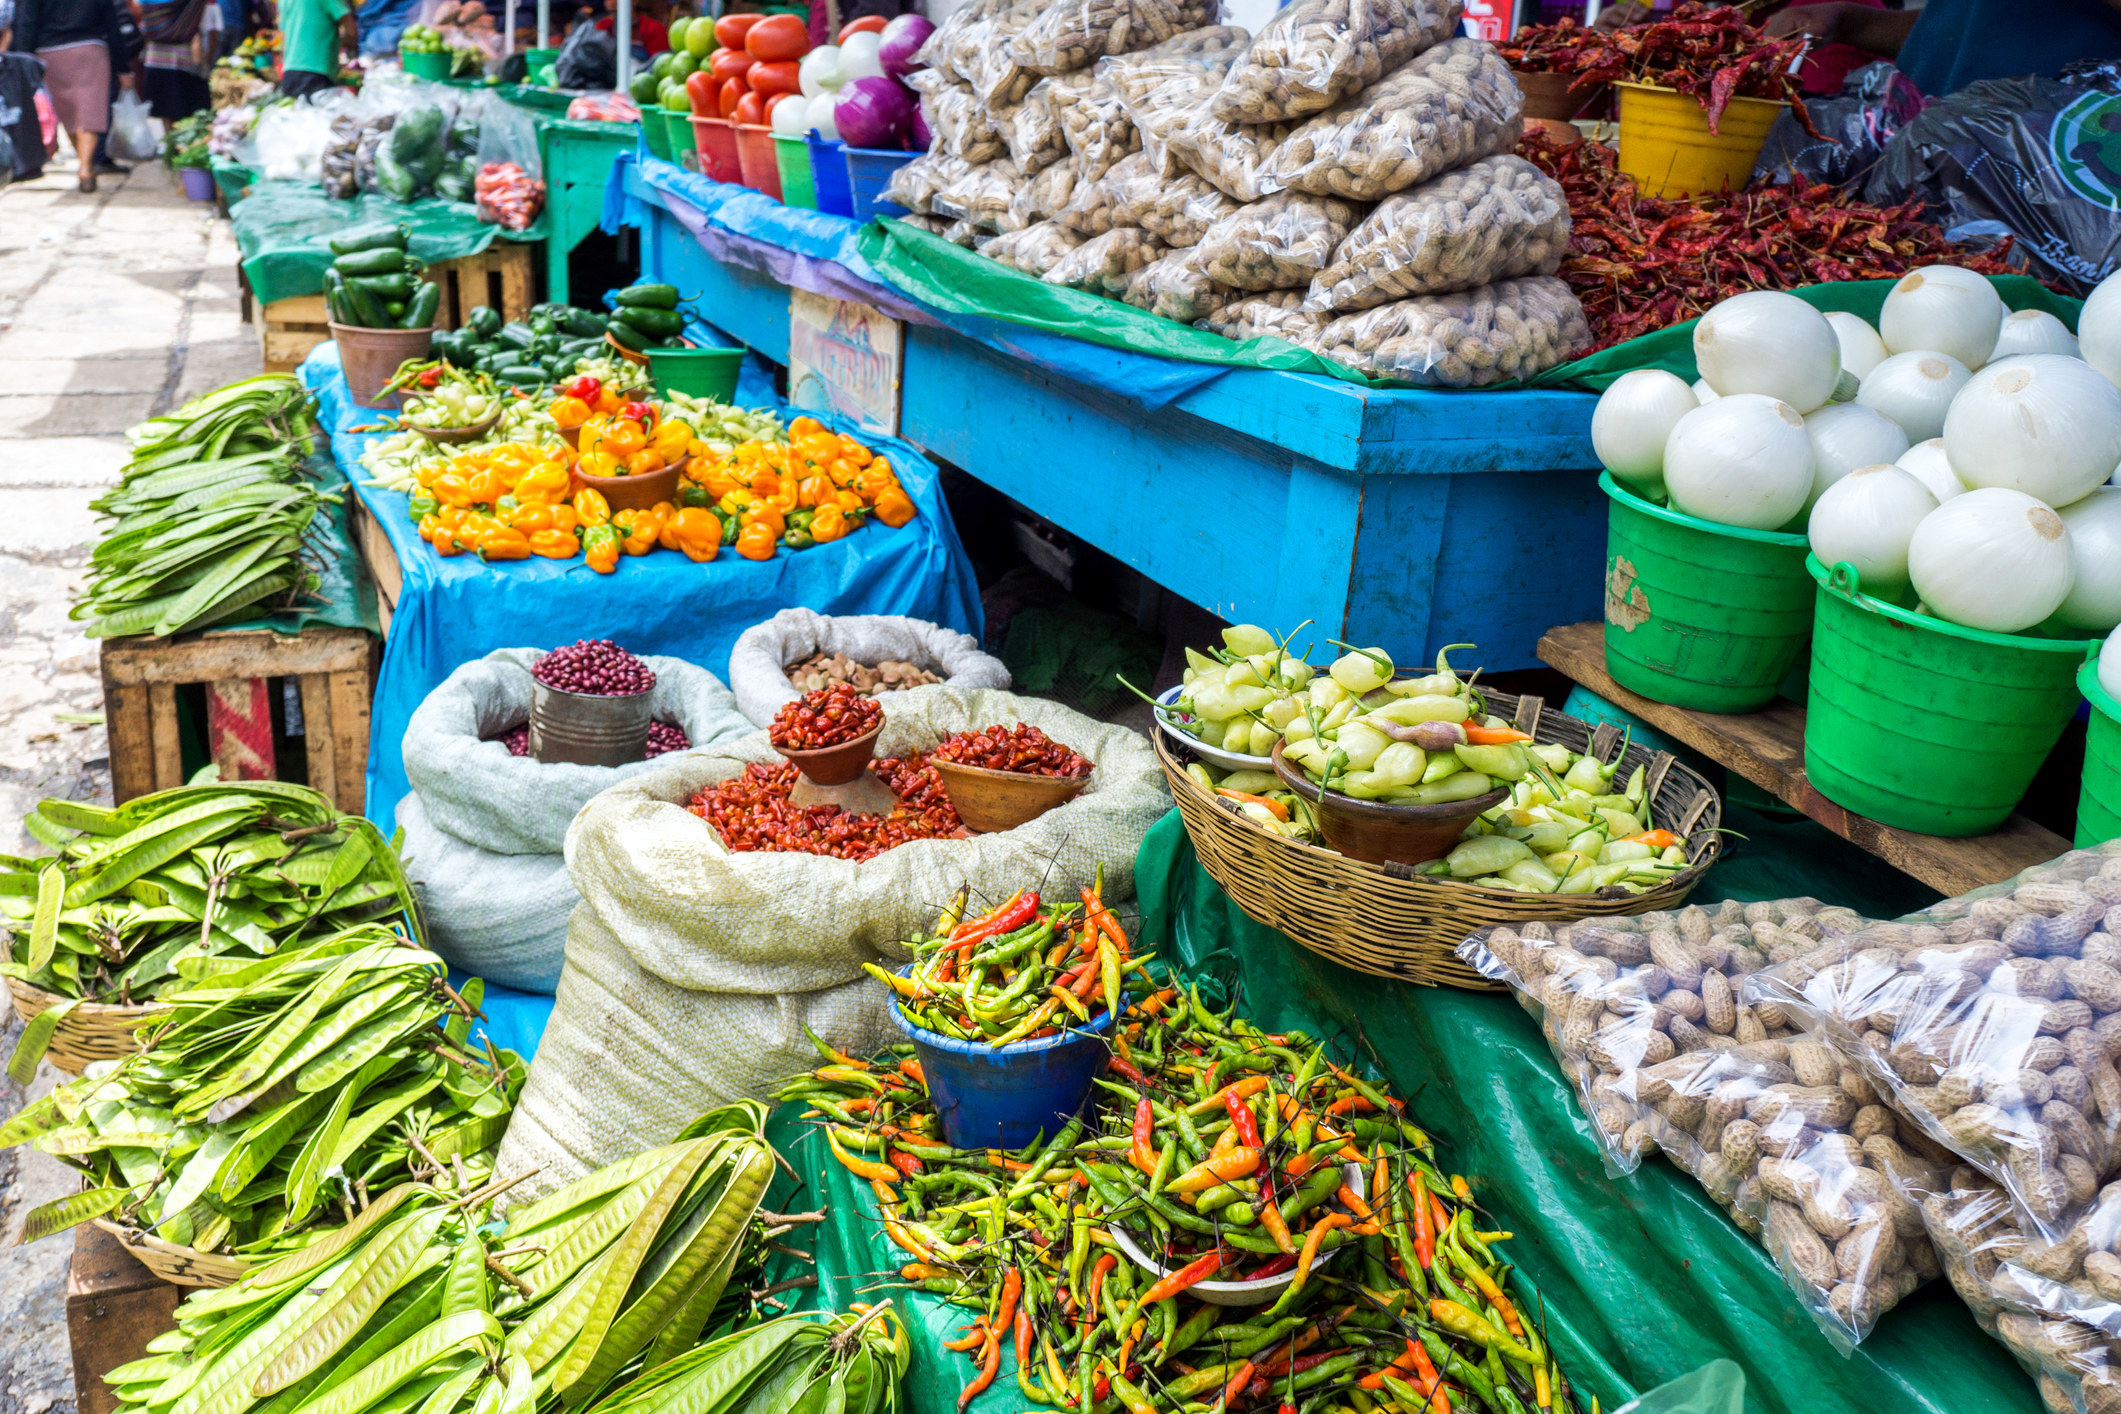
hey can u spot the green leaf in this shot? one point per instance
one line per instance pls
(36, 1039)
(308, 1170)
(354, 1299)
(70, 1211)
(452, 1333)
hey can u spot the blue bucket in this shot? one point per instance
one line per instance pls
(828, 174)
(869, 171)
(1004, 1097)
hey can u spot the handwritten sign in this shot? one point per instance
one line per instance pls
(846, 358)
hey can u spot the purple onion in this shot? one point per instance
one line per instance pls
(594, 667)
(920, 139)
(874, 112)
(900, 44)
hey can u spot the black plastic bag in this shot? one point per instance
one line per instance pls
(1875, 102)
(2033, 158)
(588, 60)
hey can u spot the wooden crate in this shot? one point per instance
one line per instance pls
(288, 329)
(114, 1307)
(382, 561)
(335, 668)
(499, 277)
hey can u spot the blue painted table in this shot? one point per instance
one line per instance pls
(1409, 519)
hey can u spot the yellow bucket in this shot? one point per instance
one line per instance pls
(1666, 145)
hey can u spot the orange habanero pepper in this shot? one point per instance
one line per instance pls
(755, 541)
(555, 544)
(894, 508)
(590, 507)
(695, 531)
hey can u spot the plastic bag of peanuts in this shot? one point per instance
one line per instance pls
(1316, 52)
(1992, 1020)
(1175, 286)
(1001, 82)
(1104, 264)
(1452, 105)
(1034, 249)
(959, 41)
(1495, 220)
(1074, 34)
(1230, 155)
(1279, 313)
(1511, 329)
(1163, 87)
(963, 126)
(1280, 242)
(1033, 133)
(1176, 210)
(1645, 1018)
(1093, 206)
(1094, 121)
(1045, 194)
(914, 185)
(981, 195)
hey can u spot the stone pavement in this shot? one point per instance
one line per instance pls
(113, 307)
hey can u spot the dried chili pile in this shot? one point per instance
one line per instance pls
(1709, 52)
(1640, 264)
(752, 811)
(829, 716)
(1023, 749)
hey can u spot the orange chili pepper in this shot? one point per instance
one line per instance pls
(1655, 839)
(590, 507)
(603, 555)
(555, 544)
(975, 1336)
(828, 524)
(1270, 1218)
(569, 412)
(1273, 807)
(1492, 736)
(756, 542)
(1239, 1162)
(893, 508)
(623, 438)
(858, 1166)
(644, 462)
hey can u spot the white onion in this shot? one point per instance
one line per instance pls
(791, 116)
(822, 122)
(820, 71)
(1742, 460)
(2110, 659)
(1703, 393)
(1633, 418)
(1992, 559)
(1861, 348)
(1942, 309)
(2099, 328)
(2044, 424)
(858, 57)
(1928, 464)
(1767, 342)
(1915, 390)
(2033, 331)
(2094, 525)
(1867, 518)
(1845, 436)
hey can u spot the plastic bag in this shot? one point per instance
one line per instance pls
(1162, 88)
(1512, 329)
(933, 225)
(1228, 154)
(1033, 249)
(1874, 102)
(1033, 132)
(1093, 206)
(1499, 218)
(1316, 52)
(1992, 1020)
(335, 166)
(914, 185)
(1716, 1388)
(1279, 313)
(1103, 265)
(287, 142)
(962, 125)
(956, 44)
(1094, 121)
(1002, 81)
(1074, 34)
(135, 136)
(1176, 286)
(588, 59)
(981, 195)
(1278, 243)
(1044, 195)
(964, 233)
(1176, 210)
(1452, 105)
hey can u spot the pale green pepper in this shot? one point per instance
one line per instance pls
(1248, 639)
(1533, 875)
(1507, 762)
(1490, 854)
(1399, 764)
(1413, 711)
(1363, 744)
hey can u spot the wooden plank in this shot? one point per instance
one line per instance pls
(168, 750)
(1767, 748)
(318, 742)
(128, 726)
(297, 309)
(350, 693)
(256, 653)
(519, 289)
(381, 558)
(114, 1307)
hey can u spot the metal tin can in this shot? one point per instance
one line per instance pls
(588, 730)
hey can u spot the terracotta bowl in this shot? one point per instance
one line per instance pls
(632, 492)
(1549, 95)
(990, 801)
(1377, 833)
(837, 765)
(450, 436)
(628, 354)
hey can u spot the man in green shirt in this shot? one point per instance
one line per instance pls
(310, 35)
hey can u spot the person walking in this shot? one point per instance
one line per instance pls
(311, 32)
(77, 40)
(179, 52)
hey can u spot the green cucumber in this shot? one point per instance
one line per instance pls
(386, 261)
(657, 324)
(649, 297)
(373, 238)
(626, 334)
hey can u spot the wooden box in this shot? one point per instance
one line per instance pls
(335, 668)
(288, 329)
(500, 276)
(114, 1307)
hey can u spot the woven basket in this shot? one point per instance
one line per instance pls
(92, 1031)
(179, 1266)
(1389, 921)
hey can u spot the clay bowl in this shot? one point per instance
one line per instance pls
(636, 493)
(1549, 95)
(628, 354)
(990, 801)
(450, 436)
(836, 765)
(1377, 833)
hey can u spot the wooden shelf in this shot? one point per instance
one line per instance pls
(1767, 748)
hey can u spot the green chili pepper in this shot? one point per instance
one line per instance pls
(1196, 1329)
(1459, 1319)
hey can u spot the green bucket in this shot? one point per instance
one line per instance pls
(679, 127)
(2099, 808)
(655, 132)
(1921, 724)
(697, 373)
(792, 156)
(1699, 615)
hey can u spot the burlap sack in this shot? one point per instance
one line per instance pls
(691, 971)
(758, 665)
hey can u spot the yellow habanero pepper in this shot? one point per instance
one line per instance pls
(695, 531)
(828, 524)
(671, 440)
(590, 507)
(601, 464)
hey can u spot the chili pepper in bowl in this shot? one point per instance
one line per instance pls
(829, 716)
(1023, 749)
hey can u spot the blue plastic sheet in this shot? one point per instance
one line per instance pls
(514, 1020)
(452, 611)
(817, 251)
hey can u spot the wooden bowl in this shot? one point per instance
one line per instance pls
(1378, 833)
(990, 801)
(1550, 96)
(628, 354)
(450, 436)
(636, 493)
(836, 765)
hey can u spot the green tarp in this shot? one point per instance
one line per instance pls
(283, 229)
(1639, 1279)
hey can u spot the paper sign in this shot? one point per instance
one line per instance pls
(846, 358)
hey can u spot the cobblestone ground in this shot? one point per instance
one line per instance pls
(113, 307)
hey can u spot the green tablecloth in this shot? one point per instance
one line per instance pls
(283, 229)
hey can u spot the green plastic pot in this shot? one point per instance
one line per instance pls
(2099, 807)
(677, 127)
(432, 67)
(697, 373)
(655, 132)
(1921, 724)
(1700, 615)
(793, 156)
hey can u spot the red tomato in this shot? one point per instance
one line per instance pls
(751, 108)
(776, 38)
(775, 78)
(730, 64)
(702, 89)
(729, 30)
(733, 91)
(867, 24)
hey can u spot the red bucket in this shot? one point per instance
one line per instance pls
(715, 138)
(762, 170)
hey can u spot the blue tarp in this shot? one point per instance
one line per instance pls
(816, 251)
(452, 611)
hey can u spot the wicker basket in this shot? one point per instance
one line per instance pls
(179, 1266)
(92, 1031)
(1389, 921)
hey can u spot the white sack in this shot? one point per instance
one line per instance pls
(502, 917)
(758, 664)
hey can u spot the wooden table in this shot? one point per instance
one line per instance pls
(1767, 748)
